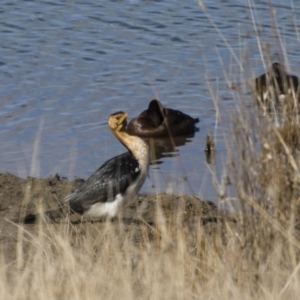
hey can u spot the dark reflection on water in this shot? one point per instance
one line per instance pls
(66, 66)
(166, 147)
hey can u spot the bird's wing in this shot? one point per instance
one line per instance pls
(112, 178)
(179, 119)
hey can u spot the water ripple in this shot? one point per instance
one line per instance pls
(68, 65)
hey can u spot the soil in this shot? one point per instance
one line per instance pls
(19, 197)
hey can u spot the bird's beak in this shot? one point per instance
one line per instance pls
(122, 119)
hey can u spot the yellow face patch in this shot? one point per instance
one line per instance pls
(122, 119)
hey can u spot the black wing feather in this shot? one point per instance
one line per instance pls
(112, 178)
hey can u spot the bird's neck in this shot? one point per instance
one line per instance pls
(135, 145)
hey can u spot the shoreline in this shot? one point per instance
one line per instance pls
(19, 197)
(29, 193)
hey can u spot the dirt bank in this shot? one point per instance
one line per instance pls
(19, 197)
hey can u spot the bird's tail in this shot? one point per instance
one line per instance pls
(196, 120)
(52, 215)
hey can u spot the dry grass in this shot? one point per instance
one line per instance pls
(256, 258)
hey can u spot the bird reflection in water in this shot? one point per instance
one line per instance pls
(165, 147)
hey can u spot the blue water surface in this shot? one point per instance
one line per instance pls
(65, 66)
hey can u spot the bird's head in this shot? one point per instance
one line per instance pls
(278, 69)
(118, 121)
(156, 112)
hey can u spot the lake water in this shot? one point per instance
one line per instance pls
(65, 66)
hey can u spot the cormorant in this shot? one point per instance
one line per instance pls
(116, 181)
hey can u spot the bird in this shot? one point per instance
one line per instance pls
(158, 121)
(276, 84)
(113, 184)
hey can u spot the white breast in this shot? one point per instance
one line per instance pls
(108, 209)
